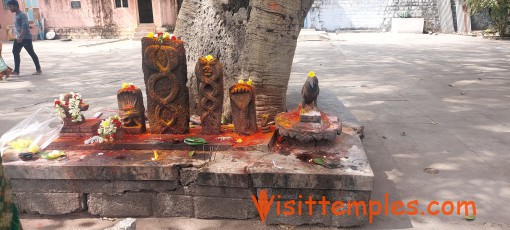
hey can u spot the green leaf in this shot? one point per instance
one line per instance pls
(191, 153)
(52, 155)
(319, 161)
(194, 141)
(470, 217)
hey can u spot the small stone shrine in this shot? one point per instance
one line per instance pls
(307, 125)
(209, 74)
(242, 100)
(131, 109)
(165, 75)
(98, 167)
(70, 100)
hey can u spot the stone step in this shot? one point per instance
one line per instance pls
(145, 28)
(312, 35)
(139, 35)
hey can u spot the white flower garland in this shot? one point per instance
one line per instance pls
(74, 106)
(108, 128)
(59, 109)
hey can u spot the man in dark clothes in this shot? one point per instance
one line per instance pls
(23, 38)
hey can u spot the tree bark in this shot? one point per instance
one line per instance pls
(253, 39)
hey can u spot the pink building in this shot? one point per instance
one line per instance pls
(95, 18)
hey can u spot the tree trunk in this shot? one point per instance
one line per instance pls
(253, 39)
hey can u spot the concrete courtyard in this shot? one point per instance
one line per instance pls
(426, 101)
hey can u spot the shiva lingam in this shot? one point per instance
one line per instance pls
(242, 100)
(131, 109)
(307, 124)
(70, 107)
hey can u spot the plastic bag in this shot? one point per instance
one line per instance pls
(33, 134)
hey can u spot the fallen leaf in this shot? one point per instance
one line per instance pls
(320, 161)
(53, 154)
(191, 153)
(470, 217)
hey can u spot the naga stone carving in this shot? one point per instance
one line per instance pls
(264, 123)
(209, 74)
(310, 91)
(242, 100)
(165, 75)
(131, 109)
(307, 125)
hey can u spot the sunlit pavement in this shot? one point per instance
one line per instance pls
(427, 101)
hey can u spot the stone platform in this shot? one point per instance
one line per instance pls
(258, 141)
(111, 182)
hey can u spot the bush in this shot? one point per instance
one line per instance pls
(499, 10)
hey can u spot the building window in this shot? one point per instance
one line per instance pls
(75, 4)
(121, 3)
(5, 4)
(32, 7)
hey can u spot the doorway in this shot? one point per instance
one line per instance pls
(145, 11)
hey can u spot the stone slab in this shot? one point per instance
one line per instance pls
(259, 141)
(92, 186)
(49, 203)
(312, 116)
(351, 169)
(240, 169)
(217, 207)
(316, 194)
(227, 169)
(328, 103)
(213, 191)
(321, 215)
(126, 224)
(88, 128)
(287, 204)
(169, 205)
(95, 165)
(121, 205)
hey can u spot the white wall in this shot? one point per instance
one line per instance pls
(331, 15)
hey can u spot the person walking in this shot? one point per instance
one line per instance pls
(23, 38)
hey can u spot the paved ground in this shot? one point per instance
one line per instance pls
(426, 101)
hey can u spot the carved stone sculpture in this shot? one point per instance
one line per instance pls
(209, 74)
(165, 75)
(310, 91)
(242, 100)
(131, 109)
(307, 125)
(264, 126)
